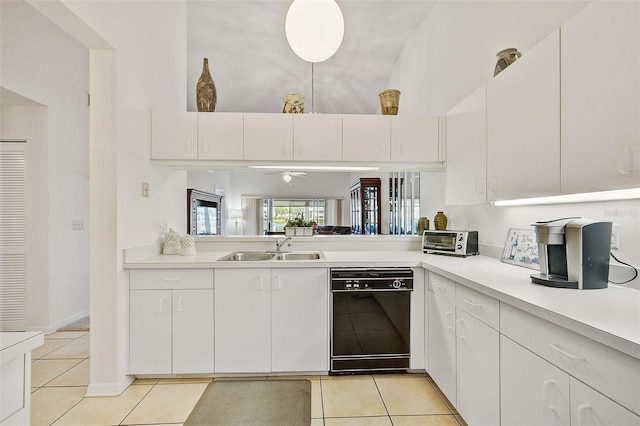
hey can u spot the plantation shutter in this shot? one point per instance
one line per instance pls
(13, 236)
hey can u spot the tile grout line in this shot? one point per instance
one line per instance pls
(138, 403)
(375, 382)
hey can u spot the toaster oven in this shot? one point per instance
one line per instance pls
(456, 243)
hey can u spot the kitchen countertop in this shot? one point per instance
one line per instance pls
(610, 316)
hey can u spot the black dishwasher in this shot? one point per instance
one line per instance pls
(370, 315)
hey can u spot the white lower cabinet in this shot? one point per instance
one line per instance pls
(531, 385)
(299, 320)
(171, 331)
(442, 339)
(478, 371)
(591, 408)
(171, 321)
(271, 320)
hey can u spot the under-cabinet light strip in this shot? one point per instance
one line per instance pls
(318, 168)
(622, 194)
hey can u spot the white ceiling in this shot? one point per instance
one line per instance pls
(253, 66)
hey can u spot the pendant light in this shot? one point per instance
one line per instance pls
(314, 29)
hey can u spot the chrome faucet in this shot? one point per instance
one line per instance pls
(279, 244)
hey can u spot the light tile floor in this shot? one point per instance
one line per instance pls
(60, 376)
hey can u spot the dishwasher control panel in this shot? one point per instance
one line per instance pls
(355, 279)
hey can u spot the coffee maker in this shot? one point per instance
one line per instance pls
(573, 253)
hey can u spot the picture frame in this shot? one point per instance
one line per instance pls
(521, 249)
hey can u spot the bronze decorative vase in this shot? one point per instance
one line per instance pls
(206, 96)
(505, 58)
(440, 221)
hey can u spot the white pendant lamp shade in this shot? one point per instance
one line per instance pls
(314, 29)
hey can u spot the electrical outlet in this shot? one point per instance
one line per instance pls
(77, 224)
(145, 189)
(162, 227)
(615, 236)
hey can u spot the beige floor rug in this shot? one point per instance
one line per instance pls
(253, 402)
(80, 325)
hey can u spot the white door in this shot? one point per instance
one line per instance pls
(366, 137)
(150, 332)
(174, 135)
(600, 106)
(317, 137)
(466, 178)
(242, 320)
(414, 138)
(478, 370)
(192, 331)
(13, 236)
(591, 408)
(300, 319)
(268, 137)
(220, 136)
(531, 385)
(442, 343)
(523, 125)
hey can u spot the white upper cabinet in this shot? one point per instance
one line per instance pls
(601, 98)
(317, 137)
(523, 125)
(174, 135)
(220, 136)
(466, 178)
(366, 137)
(268, 137)
(414, 138)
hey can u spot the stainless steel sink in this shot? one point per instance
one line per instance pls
(253, 256)
(299, 256)
(248, 256)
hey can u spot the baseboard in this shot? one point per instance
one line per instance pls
(63, 323)
(109, 389)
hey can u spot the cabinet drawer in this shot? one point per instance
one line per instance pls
(146, 279)
(442, 287)
(483, 307)
(607, 370)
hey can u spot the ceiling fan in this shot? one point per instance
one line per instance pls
(287, 175)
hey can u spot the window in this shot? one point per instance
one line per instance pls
(277, 212)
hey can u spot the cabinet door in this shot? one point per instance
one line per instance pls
(466, 178)
(591, 408)
(317, 137)
(523, 125)
(442, 343)
(300, 319)
(366, 137)
(192, 331)
(268, 137)
(478, 370)
(414, 138)
(150, 332)
(531, 385)
(242, 320)
(174, 135)
(220, 136)
(600, 106)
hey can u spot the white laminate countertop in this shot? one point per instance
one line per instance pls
(13, 343)
(610, 316)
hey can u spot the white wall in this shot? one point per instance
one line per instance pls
(452, 54)
(42, 63)
(149, 41)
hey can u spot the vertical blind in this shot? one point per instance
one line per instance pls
(13, 227)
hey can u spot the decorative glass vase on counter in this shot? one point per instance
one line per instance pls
(440, 221)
